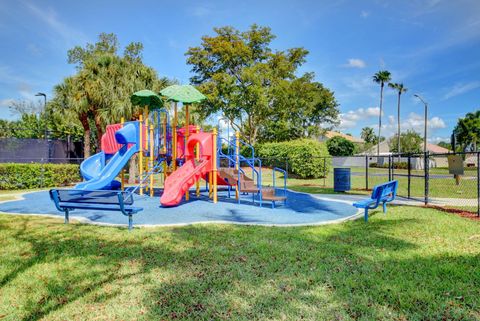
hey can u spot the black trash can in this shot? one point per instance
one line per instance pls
(341, 179)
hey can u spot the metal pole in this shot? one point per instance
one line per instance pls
(427, 176)
(324, 170)
(409, 173)
(478, 184)
(366, 172)
(426, 123)
(389, 167)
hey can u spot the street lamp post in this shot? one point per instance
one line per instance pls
(44, 109)
(426, 122)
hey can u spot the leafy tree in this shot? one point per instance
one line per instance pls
(382, 77)
(257, 89)
(339, 146)
(400, 90)
(446, 145)
(99, 93)
(368, 135)
(410, 142)
(467, 131)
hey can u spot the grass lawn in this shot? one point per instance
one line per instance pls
(411, 264)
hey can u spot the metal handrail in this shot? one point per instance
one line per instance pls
(277, 169)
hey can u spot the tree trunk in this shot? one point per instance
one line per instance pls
(86, 135)
(398, 122)
(98, 126)
(132, 170)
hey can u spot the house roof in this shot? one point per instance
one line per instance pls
(432, 148)
(331, 133)
(385, 149)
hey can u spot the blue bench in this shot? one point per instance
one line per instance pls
(67, 200)
(382, 193)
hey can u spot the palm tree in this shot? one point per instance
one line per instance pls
(368, 135)
(400, 89)
(381, 77)
(69, 98)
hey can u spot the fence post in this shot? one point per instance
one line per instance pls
(324, 171)
(389, 167)
(478, 184)
(427, 175)
(366, 172)
(409, 173)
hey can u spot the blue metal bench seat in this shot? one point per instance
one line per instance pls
(67, 200)
(383, 193)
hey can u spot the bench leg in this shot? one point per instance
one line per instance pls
(130, 222)
(384, 207)
(67, 219)
(366, 215)
(273, 204)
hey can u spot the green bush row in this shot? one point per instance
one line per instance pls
(396, 165)
(34, 175)
(305, 157)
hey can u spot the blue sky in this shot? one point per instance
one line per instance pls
(432, 46)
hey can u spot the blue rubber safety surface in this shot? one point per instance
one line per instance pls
(301, 209)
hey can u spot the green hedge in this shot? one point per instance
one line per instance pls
(34, 175)
(306, 157)
(396, 165)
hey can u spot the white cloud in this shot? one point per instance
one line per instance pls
(364, 14)
(356, 63)
(6, 102)
(461, 88)
(391, 119)
(413, 122)
(200, 11)
(350, 118)
(438, 139)
(69, 35)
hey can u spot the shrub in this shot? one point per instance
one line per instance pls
(339, 146)
(306, 157)
(396, 165)
(34, 175)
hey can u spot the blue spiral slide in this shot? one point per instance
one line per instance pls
(100, 174)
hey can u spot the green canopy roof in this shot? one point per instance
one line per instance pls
(146, 98)
(186, 94)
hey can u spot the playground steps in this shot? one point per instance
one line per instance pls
(268, 194)
(247, 184)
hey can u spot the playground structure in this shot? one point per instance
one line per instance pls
(178, 157)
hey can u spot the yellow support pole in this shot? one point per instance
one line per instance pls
(187, 125)
(210, 180)
(151, 160)
(174, 133)
(122, 173)
(140, 155)
(147, 143)
(198, 158)
(214, 165)
(237, 161)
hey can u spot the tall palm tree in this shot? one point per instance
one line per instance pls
(382, 77)
(400, 90)
(69, 98)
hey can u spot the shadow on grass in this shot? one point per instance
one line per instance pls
(354, 270)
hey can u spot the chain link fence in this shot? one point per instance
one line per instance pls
(423, 177)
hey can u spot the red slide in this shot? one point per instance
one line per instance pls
(180, 181)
